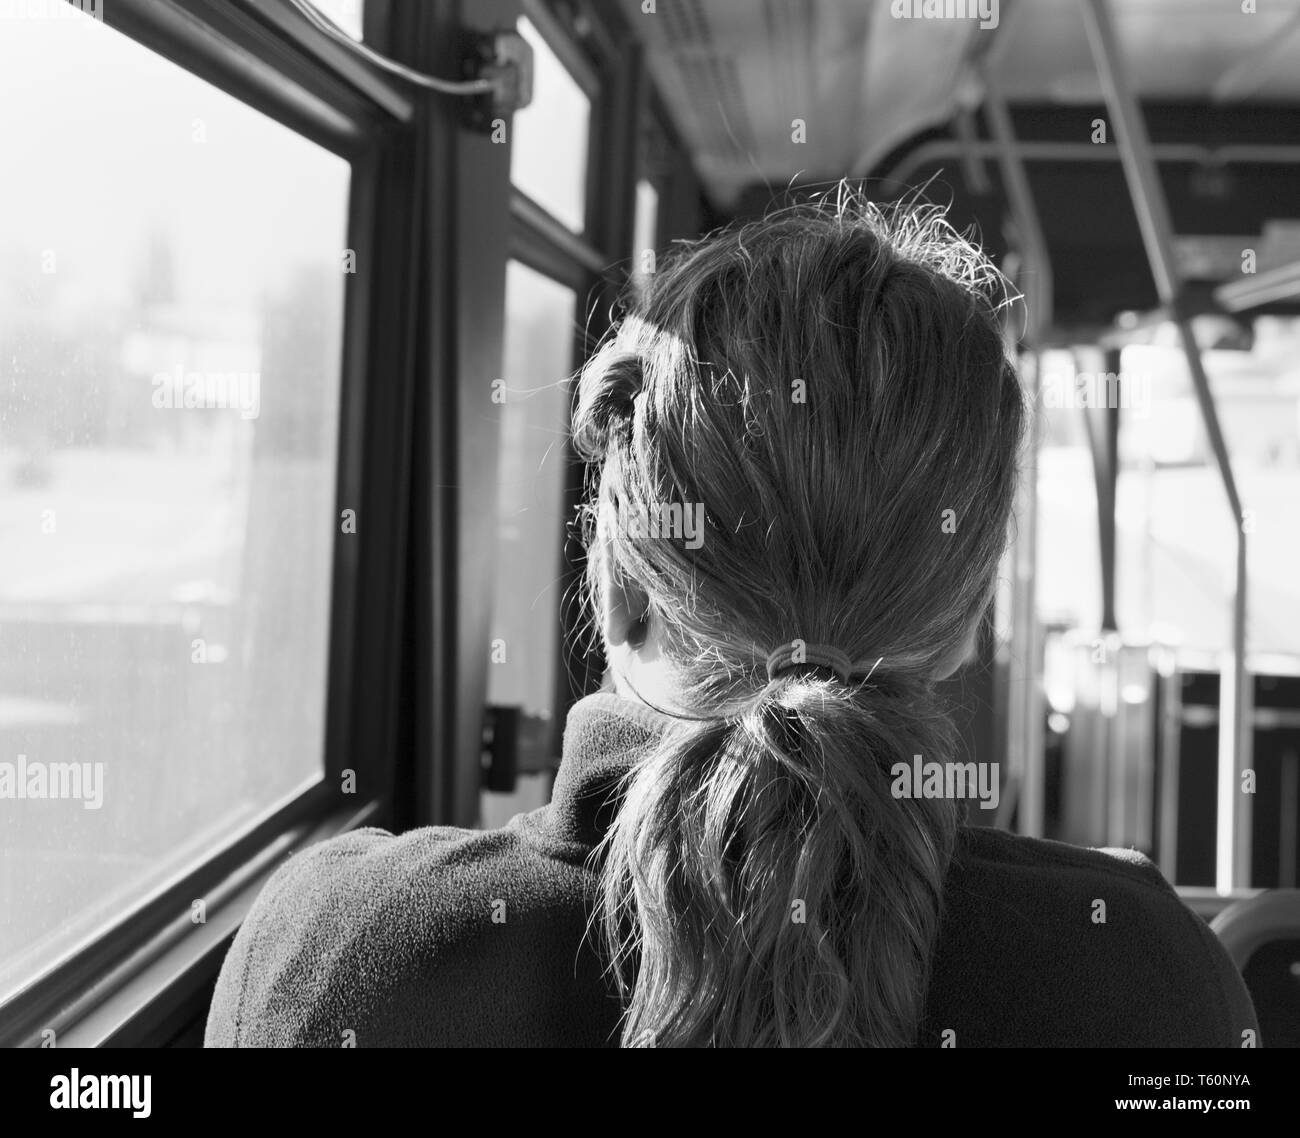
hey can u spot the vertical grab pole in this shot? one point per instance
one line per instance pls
(1025, 711)
(1232, 851)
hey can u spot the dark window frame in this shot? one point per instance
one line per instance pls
(131, 978)
(604, 56)
(606, 62)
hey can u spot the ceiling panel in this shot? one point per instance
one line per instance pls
(736, 74)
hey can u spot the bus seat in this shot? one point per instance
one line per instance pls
(1262, 935)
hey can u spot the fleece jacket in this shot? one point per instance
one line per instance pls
(451, 937)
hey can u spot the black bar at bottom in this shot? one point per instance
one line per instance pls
(360, 1084)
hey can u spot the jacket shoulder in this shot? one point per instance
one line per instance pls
(1047, 944)
(440, 936)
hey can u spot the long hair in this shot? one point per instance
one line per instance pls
(830, 386)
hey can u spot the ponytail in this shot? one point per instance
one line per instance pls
(762, 887)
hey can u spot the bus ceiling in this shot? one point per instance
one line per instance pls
(795, 98)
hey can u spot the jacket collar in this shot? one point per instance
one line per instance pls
(605, 736)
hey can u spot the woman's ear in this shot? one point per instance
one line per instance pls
(623, 603)
(637, 667)
(965, 653)
(623, 608)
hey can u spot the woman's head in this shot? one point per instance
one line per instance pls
(807, 431)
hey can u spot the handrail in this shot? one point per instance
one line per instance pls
(1045, 150)
(1281, 283)
(1232, 861)
(1024, 735)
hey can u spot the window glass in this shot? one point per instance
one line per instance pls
(171, 302)
(1068, 578)
(530, 521)
(347, 14)
(1174, 578)
(548, 158)
(645, 230)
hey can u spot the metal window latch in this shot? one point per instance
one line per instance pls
(504, 59)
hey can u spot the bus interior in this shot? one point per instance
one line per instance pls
(387, 233)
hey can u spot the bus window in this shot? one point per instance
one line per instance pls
(1136, 716)
(644, 232)
(548, 157)
(1176, 550)
(526, 591)
(170, 319)
(1068, 583)
(347, 14)
(1176, 581)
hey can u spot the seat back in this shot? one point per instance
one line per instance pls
(1262, 935)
